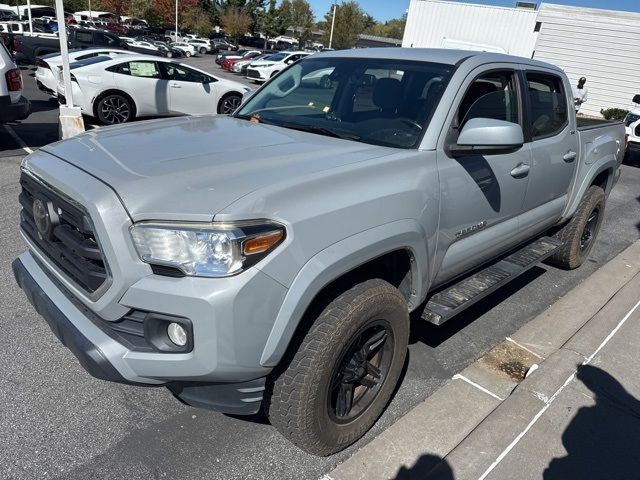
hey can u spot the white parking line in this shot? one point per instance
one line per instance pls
(457, 376)
(506, 451)
(18, 140)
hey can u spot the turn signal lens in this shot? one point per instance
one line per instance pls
(262, 243)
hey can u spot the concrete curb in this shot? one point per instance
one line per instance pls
(467, 420)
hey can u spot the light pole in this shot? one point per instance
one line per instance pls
(332, 24)
(176, 37)
(71, 123)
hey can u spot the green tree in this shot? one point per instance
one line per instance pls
(235, 22)
(197, 21)
(350, 22)
(272, 25)
(393, 28)
(301, 18)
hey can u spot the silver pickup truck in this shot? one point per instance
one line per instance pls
(270, 259)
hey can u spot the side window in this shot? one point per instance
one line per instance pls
(493, 95)
(102, 39)
(84, 37)
(548, 102)
(142, 69)
(181, 73)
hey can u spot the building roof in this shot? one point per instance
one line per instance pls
(376, 38)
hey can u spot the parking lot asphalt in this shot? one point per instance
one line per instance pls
(59, 422)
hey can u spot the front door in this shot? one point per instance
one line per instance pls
(481, 195)
(553, 150)
(190, 92)
(143, 80)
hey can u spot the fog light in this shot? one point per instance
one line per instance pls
(177, 334)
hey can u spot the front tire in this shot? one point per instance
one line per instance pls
(579, 234)
(344, 372)
(203, 51)
(114, 108)
(229, 103)
(187, 54)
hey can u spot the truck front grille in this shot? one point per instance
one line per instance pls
(63, 232)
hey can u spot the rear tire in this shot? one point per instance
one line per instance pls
(187, 54)
(340, 379)
(203, 51)
(114, 108)
(579, 234)
(229, 103)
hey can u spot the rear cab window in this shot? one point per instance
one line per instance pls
(548, 104)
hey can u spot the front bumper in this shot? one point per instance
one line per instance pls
(105, 358)
(10, 112)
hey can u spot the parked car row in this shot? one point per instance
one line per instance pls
(260, 65)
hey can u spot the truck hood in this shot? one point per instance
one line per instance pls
(190, 168)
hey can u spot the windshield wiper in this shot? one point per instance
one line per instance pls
(329, 132)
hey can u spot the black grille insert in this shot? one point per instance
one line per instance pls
(66, 237)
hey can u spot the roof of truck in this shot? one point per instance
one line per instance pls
(436, 55)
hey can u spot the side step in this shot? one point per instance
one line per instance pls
(449, 302)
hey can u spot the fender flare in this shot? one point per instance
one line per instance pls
(338, 260)
(608, 162)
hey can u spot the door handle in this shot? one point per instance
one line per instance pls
(520, 171)
(570, 156)
(175, 85)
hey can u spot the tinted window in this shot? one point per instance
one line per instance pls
(493, 95)
(102, 39)
(548, 104)
(84, 37)
(183, 74)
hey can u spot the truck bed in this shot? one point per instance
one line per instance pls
(589, 123)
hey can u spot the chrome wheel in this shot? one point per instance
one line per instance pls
(114, 109)
(229, 104)
(188, 53)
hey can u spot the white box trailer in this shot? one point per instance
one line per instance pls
(469, 26)
(601, 45)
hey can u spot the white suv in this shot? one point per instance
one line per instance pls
(13, 106)
(203, 46)
(632, 124)
(262, 70)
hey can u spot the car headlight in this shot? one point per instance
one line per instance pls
(206, 249)
(264, 65)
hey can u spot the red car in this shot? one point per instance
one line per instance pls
(227, 63)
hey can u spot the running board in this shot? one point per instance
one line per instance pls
(449, 302)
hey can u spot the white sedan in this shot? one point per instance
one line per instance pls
(48, 66)
(188, 49)
(262, 70)
(118, 90)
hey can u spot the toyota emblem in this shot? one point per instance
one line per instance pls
(41, 217)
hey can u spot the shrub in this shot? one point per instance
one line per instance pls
(614, 113)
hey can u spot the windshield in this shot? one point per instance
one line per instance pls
(378, 101)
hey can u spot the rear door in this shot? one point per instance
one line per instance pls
(481, 195)
(190, 92)
(551, 130)
(143, 81)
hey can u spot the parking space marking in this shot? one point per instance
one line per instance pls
(457, 376)
(509, 339)
(17, 138)
(548, 403)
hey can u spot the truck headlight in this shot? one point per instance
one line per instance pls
(206, 249)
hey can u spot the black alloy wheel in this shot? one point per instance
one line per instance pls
(362, 369)
(229, 104)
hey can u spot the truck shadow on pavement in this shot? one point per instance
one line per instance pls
(602, 440)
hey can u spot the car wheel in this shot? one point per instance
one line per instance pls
(336, 385)
(115, 108)
(325, 81)
(169, 55)
(579, 234)
(203, 51)
(187, 53)
(229, 104)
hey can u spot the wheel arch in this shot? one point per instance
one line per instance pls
(395, 252)
(602, 174)
(110, 91)
(226, 95)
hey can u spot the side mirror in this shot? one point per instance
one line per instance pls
(636, 98)
(488, 135)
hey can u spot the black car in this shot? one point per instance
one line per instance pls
(222, 45)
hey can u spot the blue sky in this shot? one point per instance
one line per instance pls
(383, 10)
